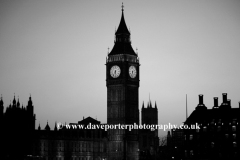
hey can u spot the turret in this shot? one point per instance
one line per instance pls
(47, 128)
(14, 101)
(18, 103)
(30, 106)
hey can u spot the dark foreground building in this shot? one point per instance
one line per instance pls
(71, 143)
(218, 136)
(17, 130)
(148, 139)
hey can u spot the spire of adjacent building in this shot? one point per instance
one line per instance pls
(30, 101)
(39, 127)
(47, 127)
(1, 101)
(14, 100)
(18, 103)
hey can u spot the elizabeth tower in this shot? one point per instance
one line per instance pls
(122, 78)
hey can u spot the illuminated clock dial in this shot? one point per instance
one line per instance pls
(132, 72)
(115, 71)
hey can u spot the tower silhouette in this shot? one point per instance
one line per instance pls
(122, 80)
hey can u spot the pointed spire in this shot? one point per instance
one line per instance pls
(155, 104)
(30, 101)
(150, 103)
(39, 127)
(55, 128)
(1, 101)
(122, 39)
(14, 100)
(143, 105)
(47, 127)
(122, 28)
(18, 103)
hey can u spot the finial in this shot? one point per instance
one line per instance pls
(122, 7)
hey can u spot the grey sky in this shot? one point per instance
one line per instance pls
(55, 50)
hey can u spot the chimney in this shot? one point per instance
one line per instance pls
(224, 98)
(229, 102)
(200, 99)
(215, 101)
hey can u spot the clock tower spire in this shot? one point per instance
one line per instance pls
(122, 80)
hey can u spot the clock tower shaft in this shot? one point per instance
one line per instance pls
(122, 80)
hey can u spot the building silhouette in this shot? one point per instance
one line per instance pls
(122, 80)
(175, 143)
(71, 143)
(218, 136)
(18, 126)
(148, 139)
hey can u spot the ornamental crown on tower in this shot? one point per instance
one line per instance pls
(122, 39)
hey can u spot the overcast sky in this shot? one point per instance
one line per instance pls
(56, 51)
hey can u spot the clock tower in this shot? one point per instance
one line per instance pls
(122, 78)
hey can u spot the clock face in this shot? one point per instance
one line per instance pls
(115, 71)
(132, 72)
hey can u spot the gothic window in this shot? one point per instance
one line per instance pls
(234, 128)
(234, 136)
(234, 144)
(191, 137)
